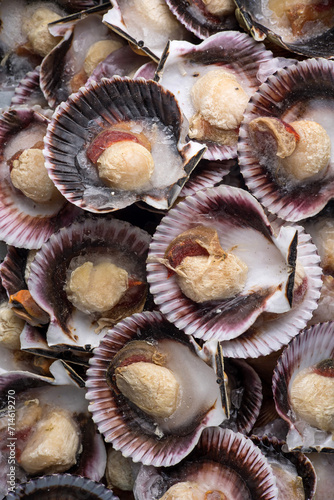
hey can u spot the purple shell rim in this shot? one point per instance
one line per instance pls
(280, 331)
(307, 349)
(108, 414)
(273, 98)
(209, 320)
(106, 103)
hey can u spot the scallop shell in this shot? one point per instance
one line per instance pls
(66, 60)
(230, 211)
(97, 107)
(257, 20)
(196, 18)
(207, 174)
(28, 91)
(128, 429)
(307, 349)
(218, 448)
(246, 395)
(126, 244)
(236, 53)
(131, 22)
(57, 486)
(272, 448)
(301, 91)
(271, 333)
(25, 223)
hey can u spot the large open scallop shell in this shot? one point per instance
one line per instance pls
(124, 244)
(242, 225)
(109, 103)
(303, 91)
(223, 460)
(310, 349)
(145, 438)
(183, 63)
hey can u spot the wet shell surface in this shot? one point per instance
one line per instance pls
(58, 486)
(195, 16)
(138, 432)
(309, 415)
(64, 69)
(141, 106)
(241, 226)
(146, 25)
(232, 53)
(295, 475)
(305, 29)
(28, 91)
(93, 240)
(24, 222)
(270, 333)
(301, 92)
(224, 463)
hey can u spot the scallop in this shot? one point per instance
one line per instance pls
(141, 400)
(293, 107)
(29, 213)
(89, 276)
(303, 389)
(305, 29)
(94, 164)
(217, 230)
(213, 82)
(223, 464)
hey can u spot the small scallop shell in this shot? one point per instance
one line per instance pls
(125, 244)
(108, 103)
(301, 91)
(272, 448)
(25, 223)
(129, 429)
(60, 486)
(207, 174)
(183, 63)
(269, 334)
(196, 18)
(310, 347)
(230, 211)
(241, 465)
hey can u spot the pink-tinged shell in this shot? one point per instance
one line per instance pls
(122, 62)
(28, 91)
(102, 105)
(247, 383)
(24, 223)
(219, 447)
(130, 430)
(57, 486)
(146, 71)
(195, 17)
(325, 310)
(225, 209)
(67, 59)
(12, 270)
(267, 335)
(307, 349)
(290, 93)
(273, 448)
(207, 174)
(236, 53)
(103, 236)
